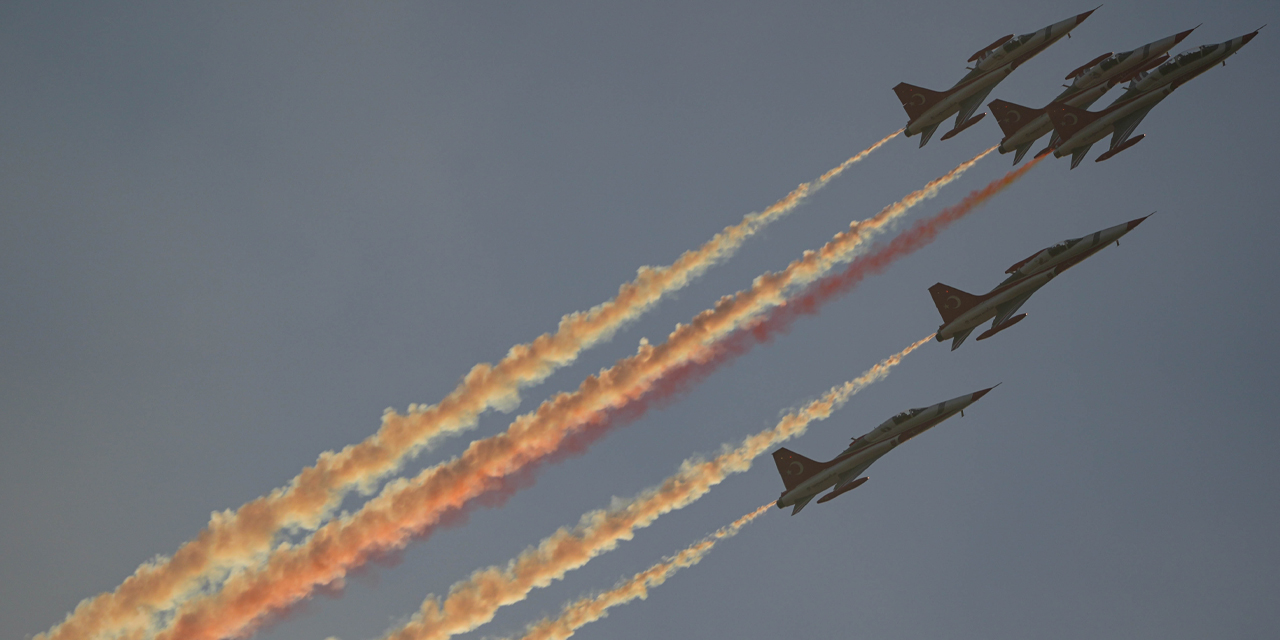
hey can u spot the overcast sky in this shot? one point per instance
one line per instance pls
(232, 234)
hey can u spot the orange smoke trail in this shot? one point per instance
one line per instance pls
(474, 601)
(233, 540)
(576, 615)
(409, 508)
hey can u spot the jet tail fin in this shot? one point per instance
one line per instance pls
(795, 468)
(917, 100)
(1012, 117)
(1068, 120)
(952, 302)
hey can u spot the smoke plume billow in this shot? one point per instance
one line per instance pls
(580, 613)
(236, 539)
(474, 601)
(491, 468)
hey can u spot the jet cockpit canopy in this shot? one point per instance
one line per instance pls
(1018, 41)
(906, 415)
(1062, 246)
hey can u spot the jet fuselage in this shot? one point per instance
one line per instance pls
(865, 450)
(955, 97)
(1104, 125)
(1031, 274)
(1184, 66)
(994, 65)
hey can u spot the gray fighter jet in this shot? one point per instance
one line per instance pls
(805, 478)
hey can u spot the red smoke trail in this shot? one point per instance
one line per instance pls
(778, 320)
(774, 323)
(916, 237)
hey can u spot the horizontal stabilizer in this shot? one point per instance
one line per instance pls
(1021, 152)
(927, 133)
(800, 504)
(959, 339)
(1078, 154)
(1012, 117)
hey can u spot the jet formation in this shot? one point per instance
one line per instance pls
(1151, 76)
(1077, 129)
(1023, 126)
(961, 314)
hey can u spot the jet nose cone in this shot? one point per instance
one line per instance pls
(1183, 36)
(977, 395)
(1247, 37)
(1133, 224)
(1081, 18)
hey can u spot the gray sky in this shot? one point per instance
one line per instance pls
(233, 234)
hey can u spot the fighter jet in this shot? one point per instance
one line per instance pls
(927, 109)
(1022, 126)
(963, 312)
(1078, 129)
(805, 478)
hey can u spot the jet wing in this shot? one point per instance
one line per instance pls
(800, 504)
(1006, 310)
(971, 105)
(852, 474)
(1125, 126)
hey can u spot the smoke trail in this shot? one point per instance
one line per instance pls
(493, 468)
(475, 601)
(234, 539)
(576, 615)
(909, 241)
